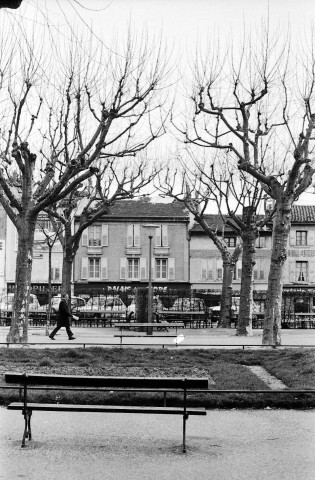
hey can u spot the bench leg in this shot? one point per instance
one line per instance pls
(185, 417)
(27, 426)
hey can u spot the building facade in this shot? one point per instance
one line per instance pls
(114, 252)
(40, 270)
(206, 264)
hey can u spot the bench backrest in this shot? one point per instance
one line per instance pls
(98, 381)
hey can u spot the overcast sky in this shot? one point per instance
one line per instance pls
(181, 23)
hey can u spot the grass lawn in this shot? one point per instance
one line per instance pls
(225, 369)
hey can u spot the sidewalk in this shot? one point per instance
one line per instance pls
(186, 338)
(225, 445)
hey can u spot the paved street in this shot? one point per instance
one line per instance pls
(227, 444)
(186, 338)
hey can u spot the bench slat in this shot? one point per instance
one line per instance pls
(98, 381)
(55, 407)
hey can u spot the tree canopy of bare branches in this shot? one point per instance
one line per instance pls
(256, 102)
(64, 117)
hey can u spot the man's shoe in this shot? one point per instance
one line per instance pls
(51, 338)
(72, 338)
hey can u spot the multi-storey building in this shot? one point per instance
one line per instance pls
(206, 264)
(114, 252)
(41, 252)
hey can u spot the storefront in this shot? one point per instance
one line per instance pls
(40, 290)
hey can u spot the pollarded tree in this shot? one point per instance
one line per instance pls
(62, 114)
(93, 201)
(242, 197)
(258, 104)
(190, 189)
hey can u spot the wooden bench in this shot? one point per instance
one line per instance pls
(148, 326)
(195, 319)
(95, 383)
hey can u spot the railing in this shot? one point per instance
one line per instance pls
(176, 343)
(190, 319)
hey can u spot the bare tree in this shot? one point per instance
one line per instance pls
(59, 119)
(258, 104)
(196, 194)
(241, 198)
(50, 240)
(84, 206)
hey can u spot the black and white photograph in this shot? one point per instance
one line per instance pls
(157, 239)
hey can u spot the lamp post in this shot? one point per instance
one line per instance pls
(150, 228)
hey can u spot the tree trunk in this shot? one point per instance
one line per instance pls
(68, 257)
(67, 274)
(281, 231)
(49, 290)
(226, 295)
(244, 323)
(18, 332)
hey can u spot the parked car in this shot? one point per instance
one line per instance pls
(110, 307)
(187, 304)
(6, 303)
(76, 304)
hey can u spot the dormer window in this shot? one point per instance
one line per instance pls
(230, 241)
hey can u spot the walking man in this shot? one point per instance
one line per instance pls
(63, 318)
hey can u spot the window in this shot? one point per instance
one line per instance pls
(133, 236)
(95, 233)
(55, 273)
(133, 268)
(301, 271)
(94, 268)
(301, 237)
(161, 236)
(161, 268)
(43, 223)
(261, 242)
(230, 241)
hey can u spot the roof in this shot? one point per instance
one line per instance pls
(144, 208)
(300, 214)
(303, 214)
(215, 222)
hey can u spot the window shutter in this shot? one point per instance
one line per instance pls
(292, 237)
(84, 268)
(2, 256)
(152, 268)
(143, 268)
(136, 232)
(310, 237)
(57, 273)
(123, 268)
(16, 240)
(171, 268)
(292, 271)
(85, 235)
(104, 264)
(104, 235)
(129, 235)
(164, 235)
(219, 269)
(158, 236)
(311, 275)
(255, 274)
(203, 269)
(210, 269)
